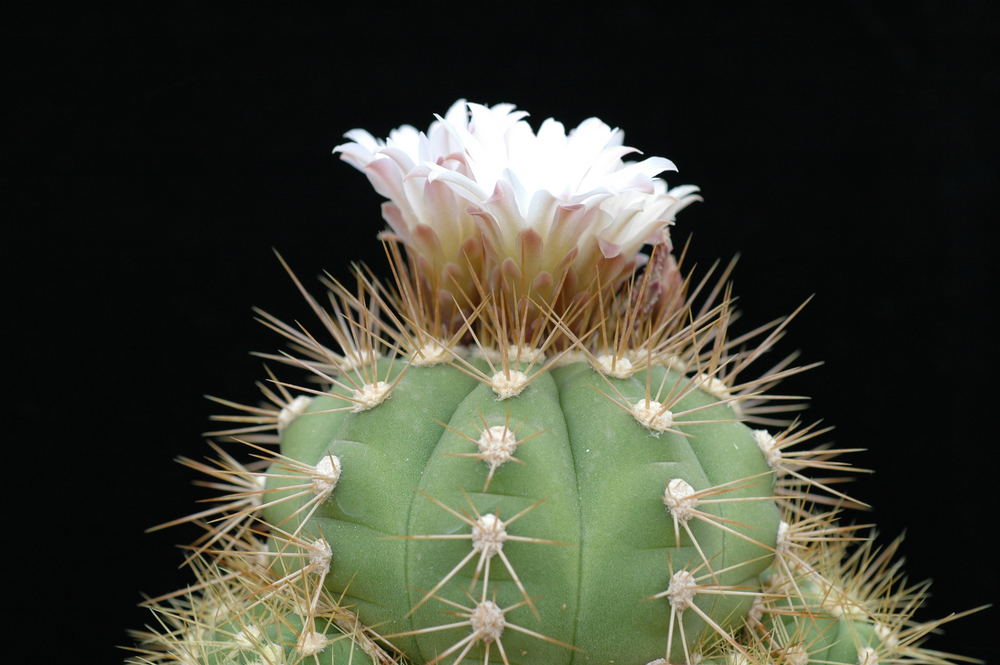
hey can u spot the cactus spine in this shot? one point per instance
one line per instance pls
(528, 448)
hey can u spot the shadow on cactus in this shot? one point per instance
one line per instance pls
(533, 444)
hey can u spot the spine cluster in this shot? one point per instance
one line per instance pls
(335, 537)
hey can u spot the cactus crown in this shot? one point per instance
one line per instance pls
(530, 403)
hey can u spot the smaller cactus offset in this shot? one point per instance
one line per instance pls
(533, 444)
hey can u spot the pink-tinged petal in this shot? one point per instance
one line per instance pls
(609, 249)
(593, 135)
(479, 213)
(356, 155)
(497, 196)
(363, 139)
(446, 298)
(439, 205)
(446, 132)
(403, 160)
(453, 271)
(510, 270)
(542, 211)
(418, 172)
(503, 206)
(656, 233)
(604, 168)
(481, 179)
(552, 133)
(684, 199)
(614, 270)
(472, 249)
(636, 173)
(575, 225)
(510, 221)
(385, 177)
(394, 218)
(520, 196)
(593, 197)
(362, 136)
(682, 191)
(425, 236)
(457, 113)
(488, 226)
(423, 266)
(460, 184)
(529, 245)
(405, 138)
(491, 231)
(610, 159)
(457, 157)
(543, 282)
(569, 258)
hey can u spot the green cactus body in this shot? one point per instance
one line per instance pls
(825, 625)
(260, 637)
(591, 478)
(532, 446)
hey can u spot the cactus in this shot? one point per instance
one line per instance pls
(534, 444)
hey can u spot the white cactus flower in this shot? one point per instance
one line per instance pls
(481, 196)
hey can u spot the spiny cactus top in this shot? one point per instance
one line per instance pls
(535, 444)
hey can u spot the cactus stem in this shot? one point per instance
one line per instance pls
(488, 534)
(866, 587)
(726, 359)
(717, 388)
(619, 367)
(655, 410)
(652, 415)
(793, 485)
(315, 482)
(430, 353)
(682, 500)
(318, 355)
(352, 323)
(503, 378)
(260, 418)
(316, 556)
(497, 445)
(487, 621)
(363, 392)
(886, 634)
(369, 396)
(797, 655)
(311, 643)
(291, 411)
(867, 656)
(520, 353)
(242, 488)
(683, 586)
(325, 475)
(508, 383)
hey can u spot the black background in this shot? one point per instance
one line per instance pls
(155, 158)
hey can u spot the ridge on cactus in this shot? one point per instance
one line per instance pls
(538, 442)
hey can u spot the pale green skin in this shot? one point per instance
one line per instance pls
(828, 639)
(282, 631)
(602, 475)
